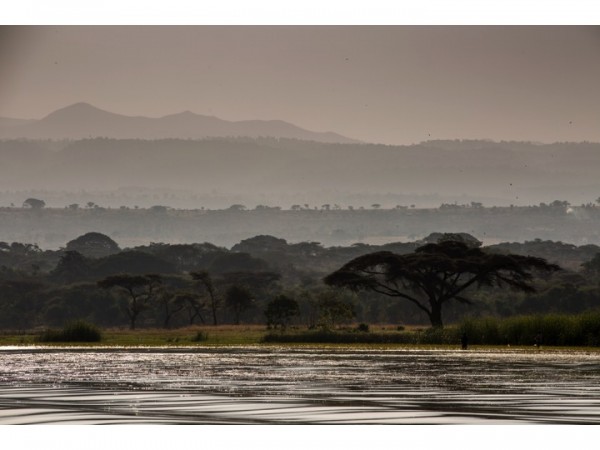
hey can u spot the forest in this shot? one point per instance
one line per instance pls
(86, 233)
(259, 280)
(327, 223)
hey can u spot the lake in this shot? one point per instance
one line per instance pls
(283, 385)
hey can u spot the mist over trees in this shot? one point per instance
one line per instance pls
(173, 232)
(52, 227)
(283, 172)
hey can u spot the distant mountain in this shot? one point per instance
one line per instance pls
(83, 120)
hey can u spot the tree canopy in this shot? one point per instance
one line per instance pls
(140, 290)
(93, 245)
(34, 203)
(439, 272)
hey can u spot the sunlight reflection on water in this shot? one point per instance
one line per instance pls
(282, 385)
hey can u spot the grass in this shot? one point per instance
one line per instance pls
(116, 337)
(221, 335)
(552, 329)
(559, 331)
(77, 331)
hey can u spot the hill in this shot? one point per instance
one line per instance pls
(82, 120)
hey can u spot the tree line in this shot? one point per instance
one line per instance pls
(267, 280)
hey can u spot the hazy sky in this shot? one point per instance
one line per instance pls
(395, 84)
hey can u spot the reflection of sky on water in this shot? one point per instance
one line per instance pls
(277, 385)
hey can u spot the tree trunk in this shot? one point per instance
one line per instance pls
(213, 306)
(435, 316)
(214, 314)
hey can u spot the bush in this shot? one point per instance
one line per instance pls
(363, 327)
(200, 336)
(77, 331)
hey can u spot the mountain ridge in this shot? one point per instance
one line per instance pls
(84, 120)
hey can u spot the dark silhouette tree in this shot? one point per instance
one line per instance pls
(332, 309)
(20, 301)
(281, 310)
(204, 279)
(255, 281)
(172, 296)
(225, 262)
(139, 289)
(192, 304)
(71, 267)
(438, 273)
(93, 245)
(131, 262)
(171, 303)
(591, 268)
(238, 299)
(34, 203)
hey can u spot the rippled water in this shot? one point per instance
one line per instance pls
(281, 385)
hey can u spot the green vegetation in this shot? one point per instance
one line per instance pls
(200, 336)
(265, 280)
(435, 274)
(221, 335)
(280, 311)
(77, 331)
(581, 330)
(551, 329)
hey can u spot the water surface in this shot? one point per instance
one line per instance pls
(279, 385)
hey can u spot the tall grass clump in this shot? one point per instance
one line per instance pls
(549, 329)
(76, 331)
(200, 336)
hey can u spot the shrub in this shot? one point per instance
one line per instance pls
(363, 327)
(77, 331)
(200, 336)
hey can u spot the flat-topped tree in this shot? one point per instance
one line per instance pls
(435, 274)
(140, 291)
(34, 203)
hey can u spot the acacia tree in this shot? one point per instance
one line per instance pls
(438, 273)
(34, 203)
(204, 279)
(193, 305)
(171, 302)
(140, 290)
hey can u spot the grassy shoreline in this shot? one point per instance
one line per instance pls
(254, 335)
